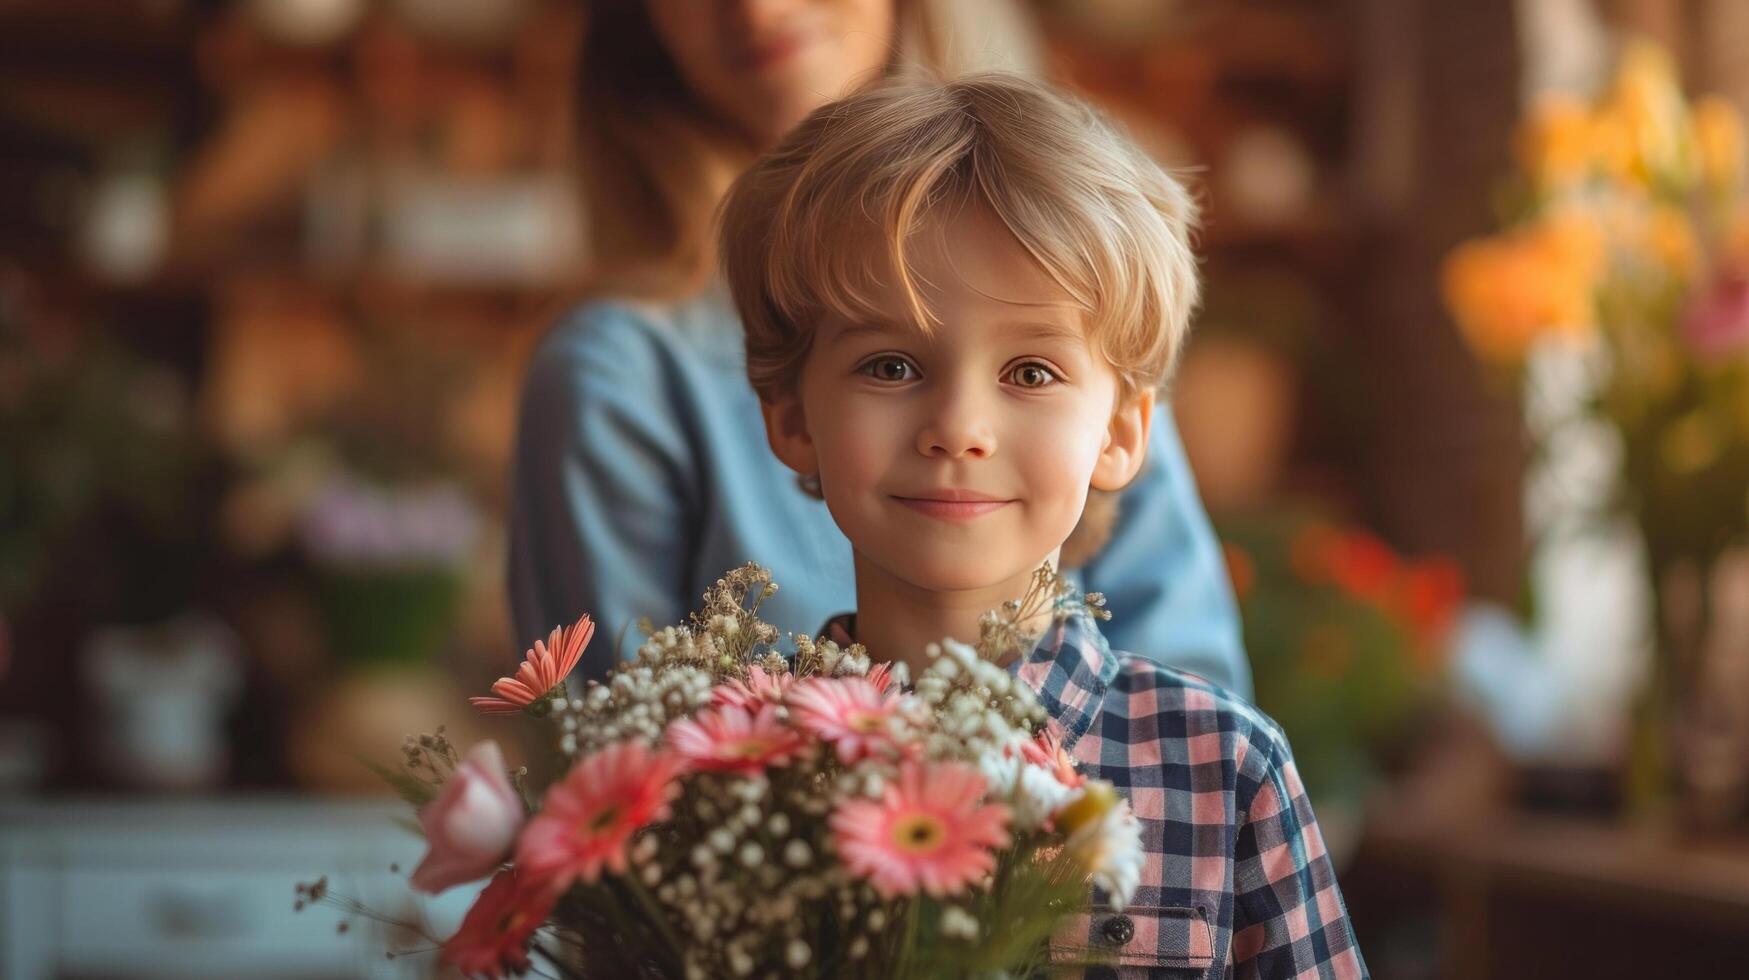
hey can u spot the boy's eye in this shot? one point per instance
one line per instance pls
(1032, 374)
(888, 369)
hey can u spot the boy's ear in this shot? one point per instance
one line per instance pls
(786, 428)
(1126, 443)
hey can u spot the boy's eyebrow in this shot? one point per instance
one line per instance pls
(1029, 329)
(1048, 330)
(848, 330)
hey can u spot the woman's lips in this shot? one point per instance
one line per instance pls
(773, 52)
(952, 510)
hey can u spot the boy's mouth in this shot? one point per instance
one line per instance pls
(953, 505)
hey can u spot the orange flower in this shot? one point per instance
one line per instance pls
(1555, 143)
(1508, 290)
(545, 668)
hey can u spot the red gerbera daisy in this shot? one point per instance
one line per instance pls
(590, 815)
(493, 938)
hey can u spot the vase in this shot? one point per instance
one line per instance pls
(1700, 698)
(164, 691)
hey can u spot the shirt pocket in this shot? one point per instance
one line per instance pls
(1166, 941)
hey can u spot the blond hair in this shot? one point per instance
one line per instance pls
(655, 160)
(839, 202)
(814, 223)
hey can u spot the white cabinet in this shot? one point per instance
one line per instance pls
(205, 889)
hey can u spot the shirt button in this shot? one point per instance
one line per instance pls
(1119, 929)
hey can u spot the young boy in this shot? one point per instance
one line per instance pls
(960, 301)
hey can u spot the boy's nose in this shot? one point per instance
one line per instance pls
(957, 427)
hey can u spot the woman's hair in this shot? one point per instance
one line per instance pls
(656, 161)
(837, 208)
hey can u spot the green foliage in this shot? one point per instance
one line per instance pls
(1339, 662)
(409, 787)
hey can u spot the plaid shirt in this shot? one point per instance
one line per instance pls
(1237, 882)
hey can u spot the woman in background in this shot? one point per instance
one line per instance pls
(642, 472)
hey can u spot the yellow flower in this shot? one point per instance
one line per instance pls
(1090, 807)
(1718, 133)
(1509, 290)
(1555, 145)
(1647, 102)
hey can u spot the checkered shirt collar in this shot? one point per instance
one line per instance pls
(1069, 667)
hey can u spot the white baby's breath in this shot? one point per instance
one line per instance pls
(957, 923)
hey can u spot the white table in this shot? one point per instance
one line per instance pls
(204, 888)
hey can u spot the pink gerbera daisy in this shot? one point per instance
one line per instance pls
(493, 938)
(544, 668)
(735, 740)
(759, 687)
(846, 711)
(590, 815)
(929, 831)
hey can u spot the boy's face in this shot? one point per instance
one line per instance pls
(962, 460)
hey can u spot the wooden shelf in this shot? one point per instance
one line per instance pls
(1518, 895)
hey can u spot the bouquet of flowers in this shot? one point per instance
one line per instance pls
(1618, 296)
(726, 810)
(1628, 239)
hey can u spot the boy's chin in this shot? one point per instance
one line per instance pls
(963, 572)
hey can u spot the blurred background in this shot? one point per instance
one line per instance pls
(1468, 402)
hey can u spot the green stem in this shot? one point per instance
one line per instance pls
(654, 911)
(908, 940)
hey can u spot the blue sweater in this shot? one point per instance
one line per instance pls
(643, 473)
